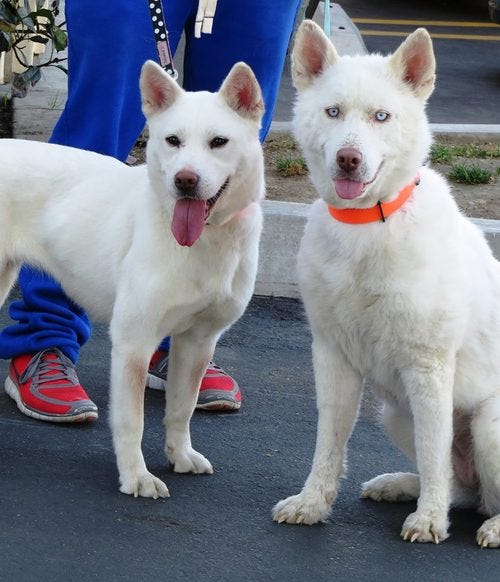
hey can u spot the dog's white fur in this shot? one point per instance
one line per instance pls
(411, 305)
(103, 229)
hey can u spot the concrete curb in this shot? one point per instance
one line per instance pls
(284, 224)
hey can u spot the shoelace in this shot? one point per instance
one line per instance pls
(161, 366)
(212, 366)
(48, 368)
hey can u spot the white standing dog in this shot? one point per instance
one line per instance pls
(400, 289)
(167, 249)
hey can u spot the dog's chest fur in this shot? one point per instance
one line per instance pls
(217, 279)
(363, 294)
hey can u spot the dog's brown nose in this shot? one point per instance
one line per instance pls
(186, 181)
(349, 159)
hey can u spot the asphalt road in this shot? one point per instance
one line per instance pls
(62, 517)
(466, 45)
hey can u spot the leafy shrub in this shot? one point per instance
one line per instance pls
(19, 24)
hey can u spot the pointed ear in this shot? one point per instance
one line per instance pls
(313, 52)
(158, 89)
(414, 62)
(241, 91)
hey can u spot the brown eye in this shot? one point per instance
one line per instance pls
(218, 142)
(173, 140)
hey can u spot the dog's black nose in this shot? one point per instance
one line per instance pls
(186, 181)
(349, 159)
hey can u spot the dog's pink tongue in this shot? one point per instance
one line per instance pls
(188, 221)
(348, 189)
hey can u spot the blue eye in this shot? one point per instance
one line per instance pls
(382, 116)
(332, 111)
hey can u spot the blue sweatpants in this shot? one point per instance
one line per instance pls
(108, 43)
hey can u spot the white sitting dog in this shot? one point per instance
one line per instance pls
(167, 249)
(400, 289)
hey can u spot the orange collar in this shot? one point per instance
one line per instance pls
(380, 211)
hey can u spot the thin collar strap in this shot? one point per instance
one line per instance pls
(379, 212)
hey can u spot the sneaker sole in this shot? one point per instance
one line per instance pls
(155, 383)
(13, 392)
(222, 405)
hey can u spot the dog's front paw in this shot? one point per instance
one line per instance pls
(488, 535)
(301, 509)
(189, 461)
(392, 487)
(145, 485)
(425, 528)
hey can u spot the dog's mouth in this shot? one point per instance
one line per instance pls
(211, 201)
(191, 215)
(349, 188)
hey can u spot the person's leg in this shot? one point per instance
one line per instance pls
(45, 317)
(103, 109)
(254, 31)
(43, 346)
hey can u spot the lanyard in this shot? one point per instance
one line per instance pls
(203, 24)
(161, 37)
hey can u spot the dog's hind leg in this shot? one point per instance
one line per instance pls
(485, 428)
(395, 486)
(398, 425)
(190, 354)
(392, 487)
(8, 275)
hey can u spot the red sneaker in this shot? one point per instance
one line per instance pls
(218, 390)
(46, 387)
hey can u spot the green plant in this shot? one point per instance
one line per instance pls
(487, 150)
(55, 101)
(445, 154)
(441, 154)
(291, 167)
(470, 174)
(18, 25)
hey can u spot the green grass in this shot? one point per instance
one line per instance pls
(470, 174)
(445, 154)
(55, 101)
(441, 154)
(459, 156)
(291, 167)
